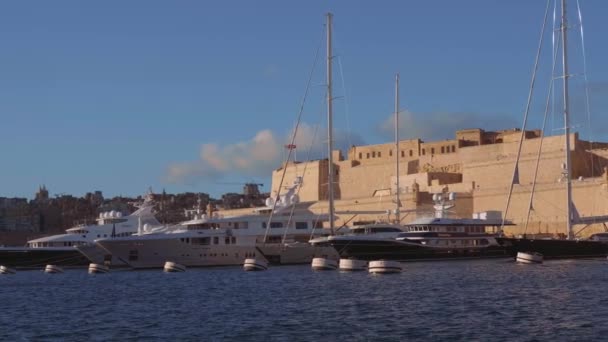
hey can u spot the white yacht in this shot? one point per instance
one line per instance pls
(69, 249)
(278, 232)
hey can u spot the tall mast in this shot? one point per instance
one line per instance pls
(567, 171)
(397, 211)
(330, 143)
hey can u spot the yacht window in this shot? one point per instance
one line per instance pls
(227, 240)
(234, 239)
(263, 224)
(301, 225)
(385, 230)
(201, 241)
(133, 255)
(236, 225)
(276, 224)
(318, 224)
(216, 240)
(358, 231)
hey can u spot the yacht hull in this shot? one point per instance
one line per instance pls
(408, 251)
(34, 258)
(301, 253)
(153, 253)
(554, 248)
(97, 255)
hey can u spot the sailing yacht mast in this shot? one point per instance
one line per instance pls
(567, 171)
(330, 144)
(397, 211)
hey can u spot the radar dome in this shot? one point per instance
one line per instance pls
(452, 196)
(146, 226)
(435, 197)
(119, 214)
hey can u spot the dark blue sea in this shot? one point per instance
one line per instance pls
(483, 300)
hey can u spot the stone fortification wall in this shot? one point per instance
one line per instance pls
(479, 169)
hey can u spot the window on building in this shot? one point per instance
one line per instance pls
(402, 154)
(374, 154)
(360, 155)
(379, 154)
(432, 150)
(367, 155)
(453, 148)
(442, 149)
(423, 152)
(411, 153)
(390, 153)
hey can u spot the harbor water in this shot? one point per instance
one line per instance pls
(479, 300)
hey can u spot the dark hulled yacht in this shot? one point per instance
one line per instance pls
(427, 238)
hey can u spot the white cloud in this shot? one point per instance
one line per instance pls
(442, 125)
(256, 157)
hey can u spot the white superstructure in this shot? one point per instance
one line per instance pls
(280, 235)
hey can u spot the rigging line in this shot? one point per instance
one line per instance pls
(293, 205)
(523, 129)
(323, 103)
(587, 106)
(346, 107)
(542, 138)
(553, 68)
(293, 137)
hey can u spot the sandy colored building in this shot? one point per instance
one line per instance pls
(477, 165)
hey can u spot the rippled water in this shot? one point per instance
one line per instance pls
(467, 301)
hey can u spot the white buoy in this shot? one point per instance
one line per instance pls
(7, 270)
(53, 269)
(324, 264)
(529, 258)
(352, 265)
(384, 267)
(98, 268)
(255, 264)
(171, 266)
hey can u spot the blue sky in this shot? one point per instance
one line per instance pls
(186, 95)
